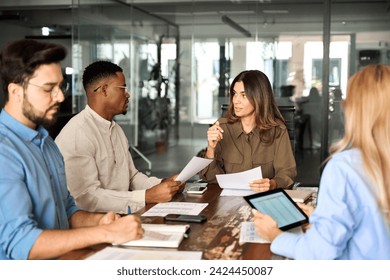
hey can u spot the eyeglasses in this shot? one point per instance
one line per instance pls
(54, 90)
(122, 87)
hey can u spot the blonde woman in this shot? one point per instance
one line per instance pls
(351, 220)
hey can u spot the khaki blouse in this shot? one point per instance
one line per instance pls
(238, 152)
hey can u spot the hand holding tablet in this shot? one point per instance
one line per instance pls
(277, 204)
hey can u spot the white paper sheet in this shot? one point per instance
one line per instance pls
(160, 235)
(115, 253)
(239, 180)
(249, 234)
(183, 208)
(233, 192)
(195, 165)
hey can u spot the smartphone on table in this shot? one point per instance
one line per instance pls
(185, 218)
(196, 188)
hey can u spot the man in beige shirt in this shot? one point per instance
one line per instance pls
(100, 171)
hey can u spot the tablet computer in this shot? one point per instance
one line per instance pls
(280, 207)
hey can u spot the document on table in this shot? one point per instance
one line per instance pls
(117, 253)
(195, 165)
(237, 184)
(160, 235)
(248, 233)
(183, 208)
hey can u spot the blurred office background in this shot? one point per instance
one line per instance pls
(179, 58)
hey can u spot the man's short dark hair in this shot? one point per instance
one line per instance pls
(98, 70)
(20, 59)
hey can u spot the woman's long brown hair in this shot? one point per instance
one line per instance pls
(259, 93)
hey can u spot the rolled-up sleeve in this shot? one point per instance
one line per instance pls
(18, 230)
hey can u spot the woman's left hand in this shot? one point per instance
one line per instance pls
(263, 185)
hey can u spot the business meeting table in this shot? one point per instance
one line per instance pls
(217, 238)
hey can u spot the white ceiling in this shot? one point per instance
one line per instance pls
(204, 19)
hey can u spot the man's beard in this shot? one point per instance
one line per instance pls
(30, 113)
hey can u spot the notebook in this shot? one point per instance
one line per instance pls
(160, 235)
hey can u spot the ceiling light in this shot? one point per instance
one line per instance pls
(242, 12)
(69, 70)
(275, 11)
(45, 31)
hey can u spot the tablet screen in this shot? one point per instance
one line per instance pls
(280, 207)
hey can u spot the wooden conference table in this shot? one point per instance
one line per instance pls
(217, 238)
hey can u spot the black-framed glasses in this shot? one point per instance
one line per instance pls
(54, 90)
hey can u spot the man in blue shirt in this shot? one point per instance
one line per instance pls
(38, 217)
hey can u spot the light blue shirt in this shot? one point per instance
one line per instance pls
(33, 192)
(347, 223)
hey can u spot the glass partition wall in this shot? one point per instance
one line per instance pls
(179, 58)
(292, 61)
(145, 47)
(164, 107)
(308, 57)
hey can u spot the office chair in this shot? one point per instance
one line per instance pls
(287, 90)
(288, 113)
(224, 108)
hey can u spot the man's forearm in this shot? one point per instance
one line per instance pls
(84, 219)
(54, 243)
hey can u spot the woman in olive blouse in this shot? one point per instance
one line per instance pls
(252, 133)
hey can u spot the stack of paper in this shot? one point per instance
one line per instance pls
(248, 233)
(160, 235)
(237, 184)
(184, 208)
(117, 253)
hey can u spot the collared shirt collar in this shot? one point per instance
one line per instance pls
(237, 130)
(106, 124)
(23, 131)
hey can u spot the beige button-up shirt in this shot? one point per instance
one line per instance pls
(100, 172)
(238, 152)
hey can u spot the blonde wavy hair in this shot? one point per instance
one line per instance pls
(367, 127)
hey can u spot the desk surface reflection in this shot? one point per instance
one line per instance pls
(217, 238)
